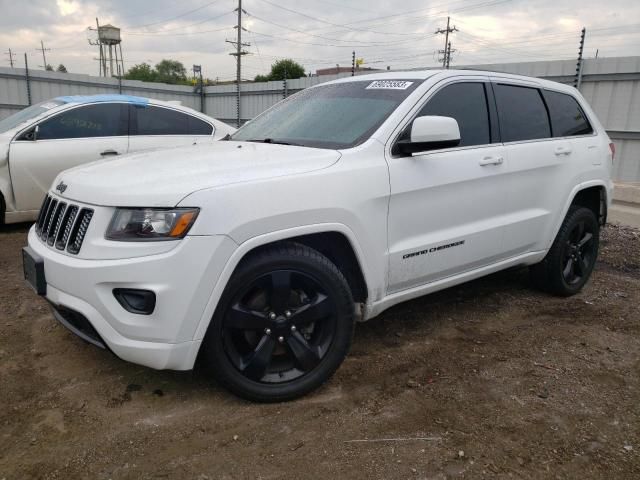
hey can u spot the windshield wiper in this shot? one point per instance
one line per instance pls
(275, 142)
(226, 137)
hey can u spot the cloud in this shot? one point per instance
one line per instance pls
(320, 33)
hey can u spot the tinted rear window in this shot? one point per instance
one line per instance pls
(467, 103)
(161, 121)
(199, 127)
(523, 115)
(567, 118)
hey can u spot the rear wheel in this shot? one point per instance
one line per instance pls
(572, 257)
(283, 326)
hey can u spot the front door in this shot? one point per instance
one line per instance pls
(446, 211)
(68, 139)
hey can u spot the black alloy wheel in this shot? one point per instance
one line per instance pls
(283, 325)
(569, 262)
(579, 253)
(279, 327)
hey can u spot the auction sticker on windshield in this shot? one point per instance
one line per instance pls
(389, 85)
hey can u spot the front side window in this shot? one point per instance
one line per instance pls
(99, 120)
(467, 103)
(340, 115)
(567, 118)
(523, 115)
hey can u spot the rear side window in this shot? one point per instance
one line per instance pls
(467, 103)
(99, 120)
(198, 127)
(160, 121)
(523, 115)
(567, 118)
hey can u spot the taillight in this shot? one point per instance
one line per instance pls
(613, 150)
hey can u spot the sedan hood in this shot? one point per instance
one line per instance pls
(164, 177)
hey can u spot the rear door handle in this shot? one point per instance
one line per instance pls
(109, 152)
(562, 151)
(491, 161)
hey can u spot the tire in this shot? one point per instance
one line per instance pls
(283, 326)
(572, 257)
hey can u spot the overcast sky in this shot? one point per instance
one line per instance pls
(318, 33)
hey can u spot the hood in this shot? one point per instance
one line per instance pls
(164, 177)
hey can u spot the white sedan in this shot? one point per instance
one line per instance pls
(42, 140)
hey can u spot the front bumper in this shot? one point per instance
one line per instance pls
(182, 278)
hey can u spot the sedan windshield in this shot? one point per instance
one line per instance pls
(340, 115)
(27, 114)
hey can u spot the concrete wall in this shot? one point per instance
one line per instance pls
(611, 85)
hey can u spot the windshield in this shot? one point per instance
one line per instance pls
(340, 115)
(27, 114)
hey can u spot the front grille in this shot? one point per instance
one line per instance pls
(63, 225)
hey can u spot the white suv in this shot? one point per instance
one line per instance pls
(257, 254)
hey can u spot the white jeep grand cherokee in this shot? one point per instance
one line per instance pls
(257, 254)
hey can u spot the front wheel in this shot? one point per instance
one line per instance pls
(570, 260)
(283, 325)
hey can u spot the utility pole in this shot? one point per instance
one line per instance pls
(11, 55)
(449, 51)
(577, 81)
(238, 54)
(44, 57)
(26, 77)
(447, 44)
(284, 83)
(353, 63)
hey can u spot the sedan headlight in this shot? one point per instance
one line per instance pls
(150, 224)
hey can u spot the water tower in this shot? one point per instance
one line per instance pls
(107, 38)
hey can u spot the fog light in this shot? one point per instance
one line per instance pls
(142, 302)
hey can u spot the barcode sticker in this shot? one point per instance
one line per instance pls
(389, 85)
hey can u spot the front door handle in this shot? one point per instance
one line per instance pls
(491, 161)
(562, 151)
(108, 152)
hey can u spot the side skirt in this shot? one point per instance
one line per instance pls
(376, 308)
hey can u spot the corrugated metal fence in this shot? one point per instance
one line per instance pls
(611, 85)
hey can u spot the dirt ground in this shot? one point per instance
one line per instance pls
(486, 380)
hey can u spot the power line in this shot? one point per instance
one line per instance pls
(182, 27)
(174, 17)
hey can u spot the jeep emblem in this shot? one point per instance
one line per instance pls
(61, 187)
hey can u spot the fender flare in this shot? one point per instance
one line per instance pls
(264, 239)
(574, 192)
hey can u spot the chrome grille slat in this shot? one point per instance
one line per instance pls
(79, 230)
(43, 214)
(63, 225)
(47, 219)
(57, 222)
(65, 231)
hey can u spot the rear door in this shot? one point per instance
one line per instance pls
(538, 165)
(70, 138)
(447, 206)
(154, 126)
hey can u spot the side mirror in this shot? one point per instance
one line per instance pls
(431, 133)
(30, 135)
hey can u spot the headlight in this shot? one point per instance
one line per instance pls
(150, 224)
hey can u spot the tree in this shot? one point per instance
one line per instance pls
(261, 78)
(171, 71)
(48, 68)
(61, 68)
(143, 72)
(286, 68)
